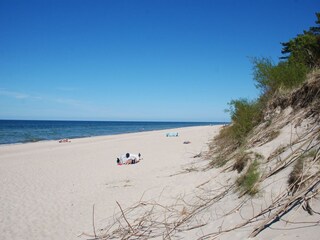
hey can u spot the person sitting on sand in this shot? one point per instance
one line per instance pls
(129, 158)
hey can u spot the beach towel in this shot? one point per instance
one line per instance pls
(172, 134)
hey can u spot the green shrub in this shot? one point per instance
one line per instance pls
(245, 116)
(271, 77)
(262, 73)
(288, 75)
(247, 183)
(305, 47)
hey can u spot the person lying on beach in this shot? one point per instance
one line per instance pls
(64, 140)
(129, 158)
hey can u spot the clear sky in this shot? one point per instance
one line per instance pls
(153, 60)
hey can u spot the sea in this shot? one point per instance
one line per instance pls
(24, 131)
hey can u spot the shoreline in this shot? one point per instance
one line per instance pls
(22, 133)
(48, 188)
(104, 136)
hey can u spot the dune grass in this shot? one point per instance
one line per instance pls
(247, 183)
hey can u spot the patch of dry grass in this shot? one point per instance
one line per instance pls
(241, 161)
(299, 172)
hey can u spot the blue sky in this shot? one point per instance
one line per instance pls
(153, 60)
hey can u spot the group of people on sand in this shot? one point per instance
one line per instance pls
(129, 158)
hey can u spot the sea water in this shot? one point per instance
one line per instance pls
(22, 131)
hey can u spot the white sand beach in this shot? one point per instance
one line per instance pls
(48, 189)
(75, 190)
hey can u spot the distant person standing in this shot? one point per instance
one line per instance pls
(129, 158)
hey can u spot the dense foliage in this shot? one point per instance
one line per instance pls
(301, 55)
(270, 77)
(305, 48)
(245, 115)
